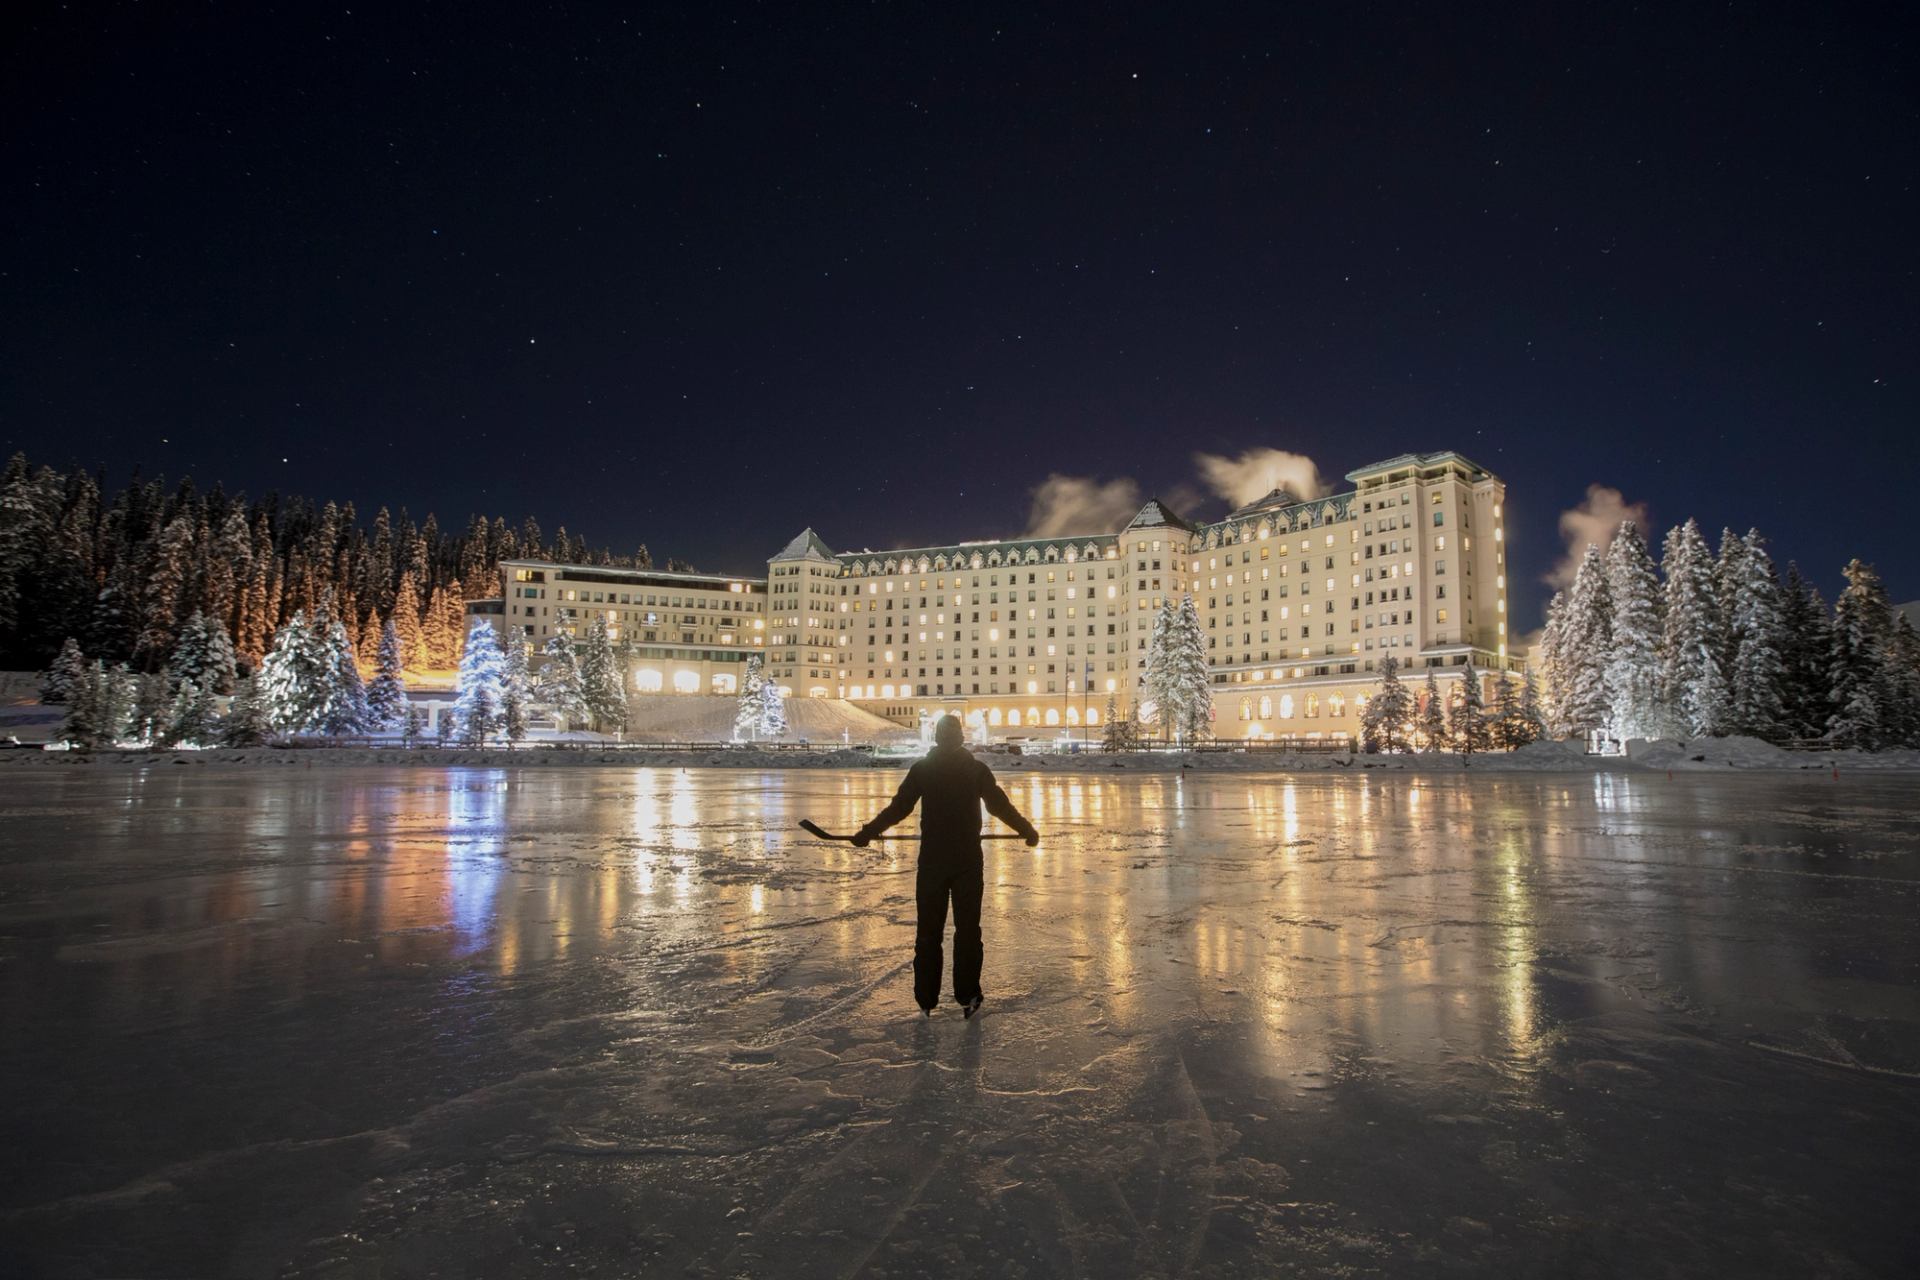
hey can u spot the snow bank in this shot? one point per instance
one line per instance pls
(703, 717)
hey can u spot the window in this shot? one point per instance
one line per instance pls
(647, 680)
(1439, 518)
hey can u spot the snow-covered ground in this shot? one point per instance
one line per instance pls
(625, 1022)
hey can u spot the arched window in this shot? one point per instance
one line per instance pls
(647, 680)
(1246, 708)
(1266, 706)
(1313, 706)
(686, 682)
(886, 691)
(1053, 715)
(1073, 715)
(1336, 704)
(994, 717)
(1286, 706)
(1093, 715)
(1013, 718)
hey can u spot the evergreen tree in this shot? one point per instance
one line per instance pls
(406, 623)
(1113, 735)
(1691, 633)
(559, 686)
(1467, 721)
(1504, 724)
(747, 710)
(345, 710)
(191, 719)
(1433, 716)
(1808, 653)
(1160, 679)
(1386, 721)
(1632, 669)
(1191, 678)
(1554, 661)
(482, 668)
(602, 683)
(295, 678)
(1532, 725)
(1759, 672)
(1903, 682)
(514, 690)
(438, 644)
(1588, 643)
(203, 655)
(166, 590)
(387, 695)
(415, 725)
(152, 703)
(64, 676)
(773, 711)
(1858, 668)
(246, 722)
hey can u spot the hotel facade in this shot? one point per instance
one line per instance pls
(1300, 601)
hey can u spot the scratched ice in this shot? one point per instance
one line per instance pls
(630, 1022)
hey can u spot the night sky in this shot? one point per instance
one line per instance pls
(701, 278)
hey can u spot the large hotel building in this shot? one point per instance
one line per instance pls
(1030, 637)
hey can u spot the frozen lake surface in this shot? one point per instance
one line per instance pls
(360, 1022)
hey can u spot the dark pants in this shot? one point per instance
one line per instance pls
(942, 874)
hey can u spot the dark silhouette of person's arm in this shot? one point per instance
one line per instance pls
(902, 804)
(1002, 808)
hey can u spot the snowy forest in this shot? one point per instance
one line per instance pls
(121, 574)
(1716, 644)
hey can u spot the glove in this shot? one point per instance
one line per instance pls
(862, 838)
(1032, 838)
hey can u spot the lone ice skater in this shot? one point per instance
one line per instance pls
(953, 784)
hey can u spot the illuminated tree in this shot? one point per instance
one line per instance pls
(294, 680)
(1759, 669)
(387, 695)
(1632, 667)
(1859, 667)
(476, 709)
(514, 691)
(204, 655)
(68, 669)
(246, 723)
(559, 686)
(1586, 645)
(601, 681)
(1691, 632)
(1467, 725)
(748, 706)
(1387, 720)
(1433, 716)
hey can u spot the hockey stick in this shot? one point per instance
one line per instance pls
(813, 830)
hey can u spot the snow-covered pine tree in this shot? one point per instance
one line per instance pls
(245, 724)
(1632, 667)
(746, 712)
(203, 655)
(415, 726)
(1532, 725)
(773, 711)
(190, 720)
(345, 710)
(1159, 679)
(80, 726)
(165, 590)
(1467, 721)
(1729, 570)
(1554, 662)
(515, 691)
(1503, 722)
(1588, 644)
(1808, 650)
(64, 675)
(559, 687)
(1112, 732)
(601, 681)
(1385, 723)
(1759, 672)
(406, 621)
(120, 690)
(1190, 681)
(152, 701)
(482, 666)
(1433, 716)
(1691, 630)
(1903, 680)
(294, 679)
(1858, 670)
(454, 604)
(366, 648)
(387, 695)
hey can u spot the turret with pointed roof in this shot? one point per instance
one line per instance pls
(1158, 515)
(806, 545)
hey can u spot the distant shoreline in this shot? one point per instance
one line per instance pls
(1706, 756)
